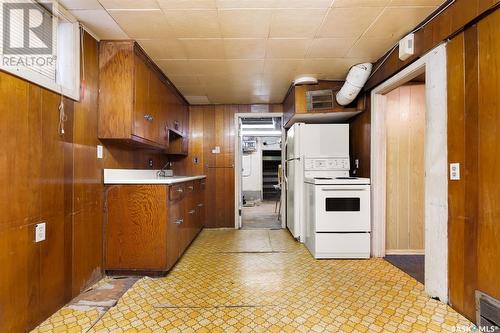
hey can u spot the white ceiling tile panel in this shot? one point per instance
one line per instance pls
(187, 4)
(296, 22)
(100, 23)
(194, 23)
(330, 47)
(150, 24)
(244, 48)
(246, 23)
(371, 47)
(170, 48)
(416, 2)
(80, 4)
(204, 48)
(287, 48)
(129, 4)
(395, 22)
(361, 3)
(348, 22)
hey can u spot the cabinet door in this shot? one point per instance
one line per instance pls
(163, 116)
(190, 202)
(175, 221)
(200, 203)
(155, 96)
(144, 115)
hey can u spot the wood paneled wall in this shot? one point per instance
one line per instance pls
(473, 136)
(405, 123)
(56, 179)
(211, 126)
(473, 127)
(447, 24)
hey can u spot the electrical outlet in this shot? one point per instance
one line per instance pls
(454, 171)
(39, 232)
(150, 163)
(100, 152)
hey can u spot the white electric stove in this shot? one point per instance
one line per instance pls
(337, 209)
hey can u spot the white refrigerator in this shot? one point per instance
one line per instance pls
(308, 141)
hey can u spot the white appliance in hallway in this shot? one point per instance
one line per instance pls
(337, 209)
(308, 141)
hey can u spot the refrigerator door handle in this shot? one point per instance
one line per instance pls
(293, 159)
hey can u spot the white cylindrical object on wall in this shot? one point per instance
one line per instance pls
(356, 79)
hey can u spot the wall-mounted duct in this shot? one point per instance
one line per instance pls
(356, 79)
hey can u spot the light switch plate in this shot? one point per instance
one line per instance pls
(454, 171)
(39, 232)
(216, 150)
(100, 151)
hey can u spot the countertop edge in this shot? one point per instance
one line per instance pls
(165, 181)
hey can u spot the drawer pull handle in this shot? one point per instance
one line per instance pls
(179, 221)
(192, 211)
(180, 190)
(191, 188)
(200, 205)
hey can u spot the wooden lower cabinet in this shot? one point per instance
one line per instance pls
(148, 227)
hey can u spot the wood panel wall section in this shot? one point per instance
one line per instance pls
(473, 127)
(405, 121)
(444, 26)
(211, 126)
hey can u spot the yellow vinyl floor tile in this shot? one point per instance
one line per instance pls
(264, 281)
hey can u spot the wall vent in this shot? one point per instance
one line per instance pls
(318, 100)
(488, 312)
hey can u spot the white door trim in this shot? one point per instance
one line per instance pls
(436, 172)
(237, 160)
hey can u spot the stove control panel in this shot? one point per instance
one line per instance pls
(327, 164)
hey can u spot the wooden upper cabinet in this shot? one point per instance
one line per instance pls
(295, 106)
(137, 103)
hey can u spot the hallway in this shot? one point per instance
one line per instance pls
(264, 281)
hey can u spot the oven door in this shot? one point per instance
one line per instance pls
(343, 208)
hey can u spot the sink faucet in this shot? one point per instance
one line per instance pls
(166, 171)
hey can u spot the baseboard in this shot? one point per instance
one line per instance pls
(406, 251)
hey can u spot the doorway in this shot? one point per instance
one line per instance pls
(435, 172)
(259, 174)
(405, 131)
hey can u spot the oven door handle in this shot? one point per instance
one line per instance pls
(343, 189)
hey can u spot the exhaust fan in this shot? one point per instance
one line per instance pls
(356, 79)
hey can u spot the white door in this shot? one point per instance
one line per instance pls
(239, 153)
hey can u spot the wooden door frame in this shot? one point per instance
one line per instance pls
(237, 166)
(433, 64)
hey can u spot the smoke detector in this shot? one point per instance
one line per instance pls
(300, 80)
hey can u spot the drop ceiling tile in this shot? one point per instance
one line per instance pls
(80, 4)
(416, 2)
(361, 3)
(193, 23)
(287, 48)
(296, 22)
(397, 21)
(348, 22)
(245, 67)
(204, 48)
(245, 23)
(244, 48)
(163, 48)
(208, 66)
(286, 66)
(330, 47)
(151, 24)
(100, 23)
(129, 4)
(197, 100)
(334, 68)
(245, 4)
(371, 47)
(192, 89)
(187, 4)
(185, 80)
(175, 67)
(303, 4)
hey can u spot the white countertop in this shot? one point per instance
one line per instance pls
(135, 176)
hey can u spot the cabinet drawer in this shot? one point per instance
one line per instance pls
(176, 192)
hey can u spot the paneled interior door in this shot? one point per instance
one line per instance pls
(405, 122)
